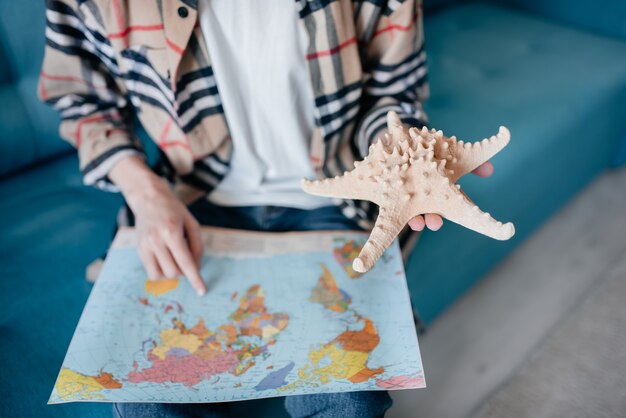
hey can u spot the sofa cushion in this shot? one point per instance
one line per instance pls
(52, 227)
(561, 92)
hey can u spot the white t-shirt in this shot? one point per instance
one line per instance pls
(257, 50)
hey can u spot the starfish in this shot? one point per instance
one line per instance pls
(412, 172)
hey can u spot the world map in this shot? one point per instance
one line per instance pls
(275, 322)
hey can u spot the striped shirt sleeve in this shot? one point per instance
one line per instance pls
(79, 79)
(395, 71)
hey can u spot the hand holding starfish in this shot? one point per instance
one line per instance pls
(412, 172)
(434, 221)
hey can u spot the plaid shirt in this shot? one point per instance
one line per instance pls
(106, 61)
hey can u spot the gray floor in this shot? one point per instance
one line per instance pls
(580, 370)
(482, 356)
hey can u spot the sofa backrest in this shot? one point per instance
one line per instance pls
(433, 6)
(28, 128)
(606, 17)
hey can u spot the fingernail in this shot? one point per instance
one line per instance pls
(200, 292)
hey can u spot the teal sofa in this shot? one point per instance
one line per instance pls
(554, 74)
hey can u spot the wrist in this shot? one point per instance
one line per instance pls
(135, 180)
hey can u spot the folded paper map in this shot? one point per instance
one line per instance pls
(285, 314)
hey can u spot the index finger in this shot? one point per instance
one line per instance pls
(184, 259)
(192, 232)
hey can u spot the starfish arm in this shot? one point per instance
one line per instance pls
(384, 232)
(461, 210)
(464, 157)
(348, 186)
(360, 183)
(396, 130)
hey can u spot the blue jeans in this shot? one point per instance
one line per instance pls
(275, 219)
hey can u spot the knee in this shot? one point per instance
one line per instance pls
(346, 404)
(136, 410)
(169, 410)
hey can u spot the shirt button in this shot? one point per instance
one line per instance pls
(183, 12)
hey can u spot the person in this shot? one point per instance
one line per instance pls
(243, 99)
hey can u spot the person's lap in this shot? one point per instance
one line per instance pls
(271, 218)
(276, 219)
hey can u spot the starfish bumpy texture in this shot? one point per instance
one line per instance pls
(413, 172)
